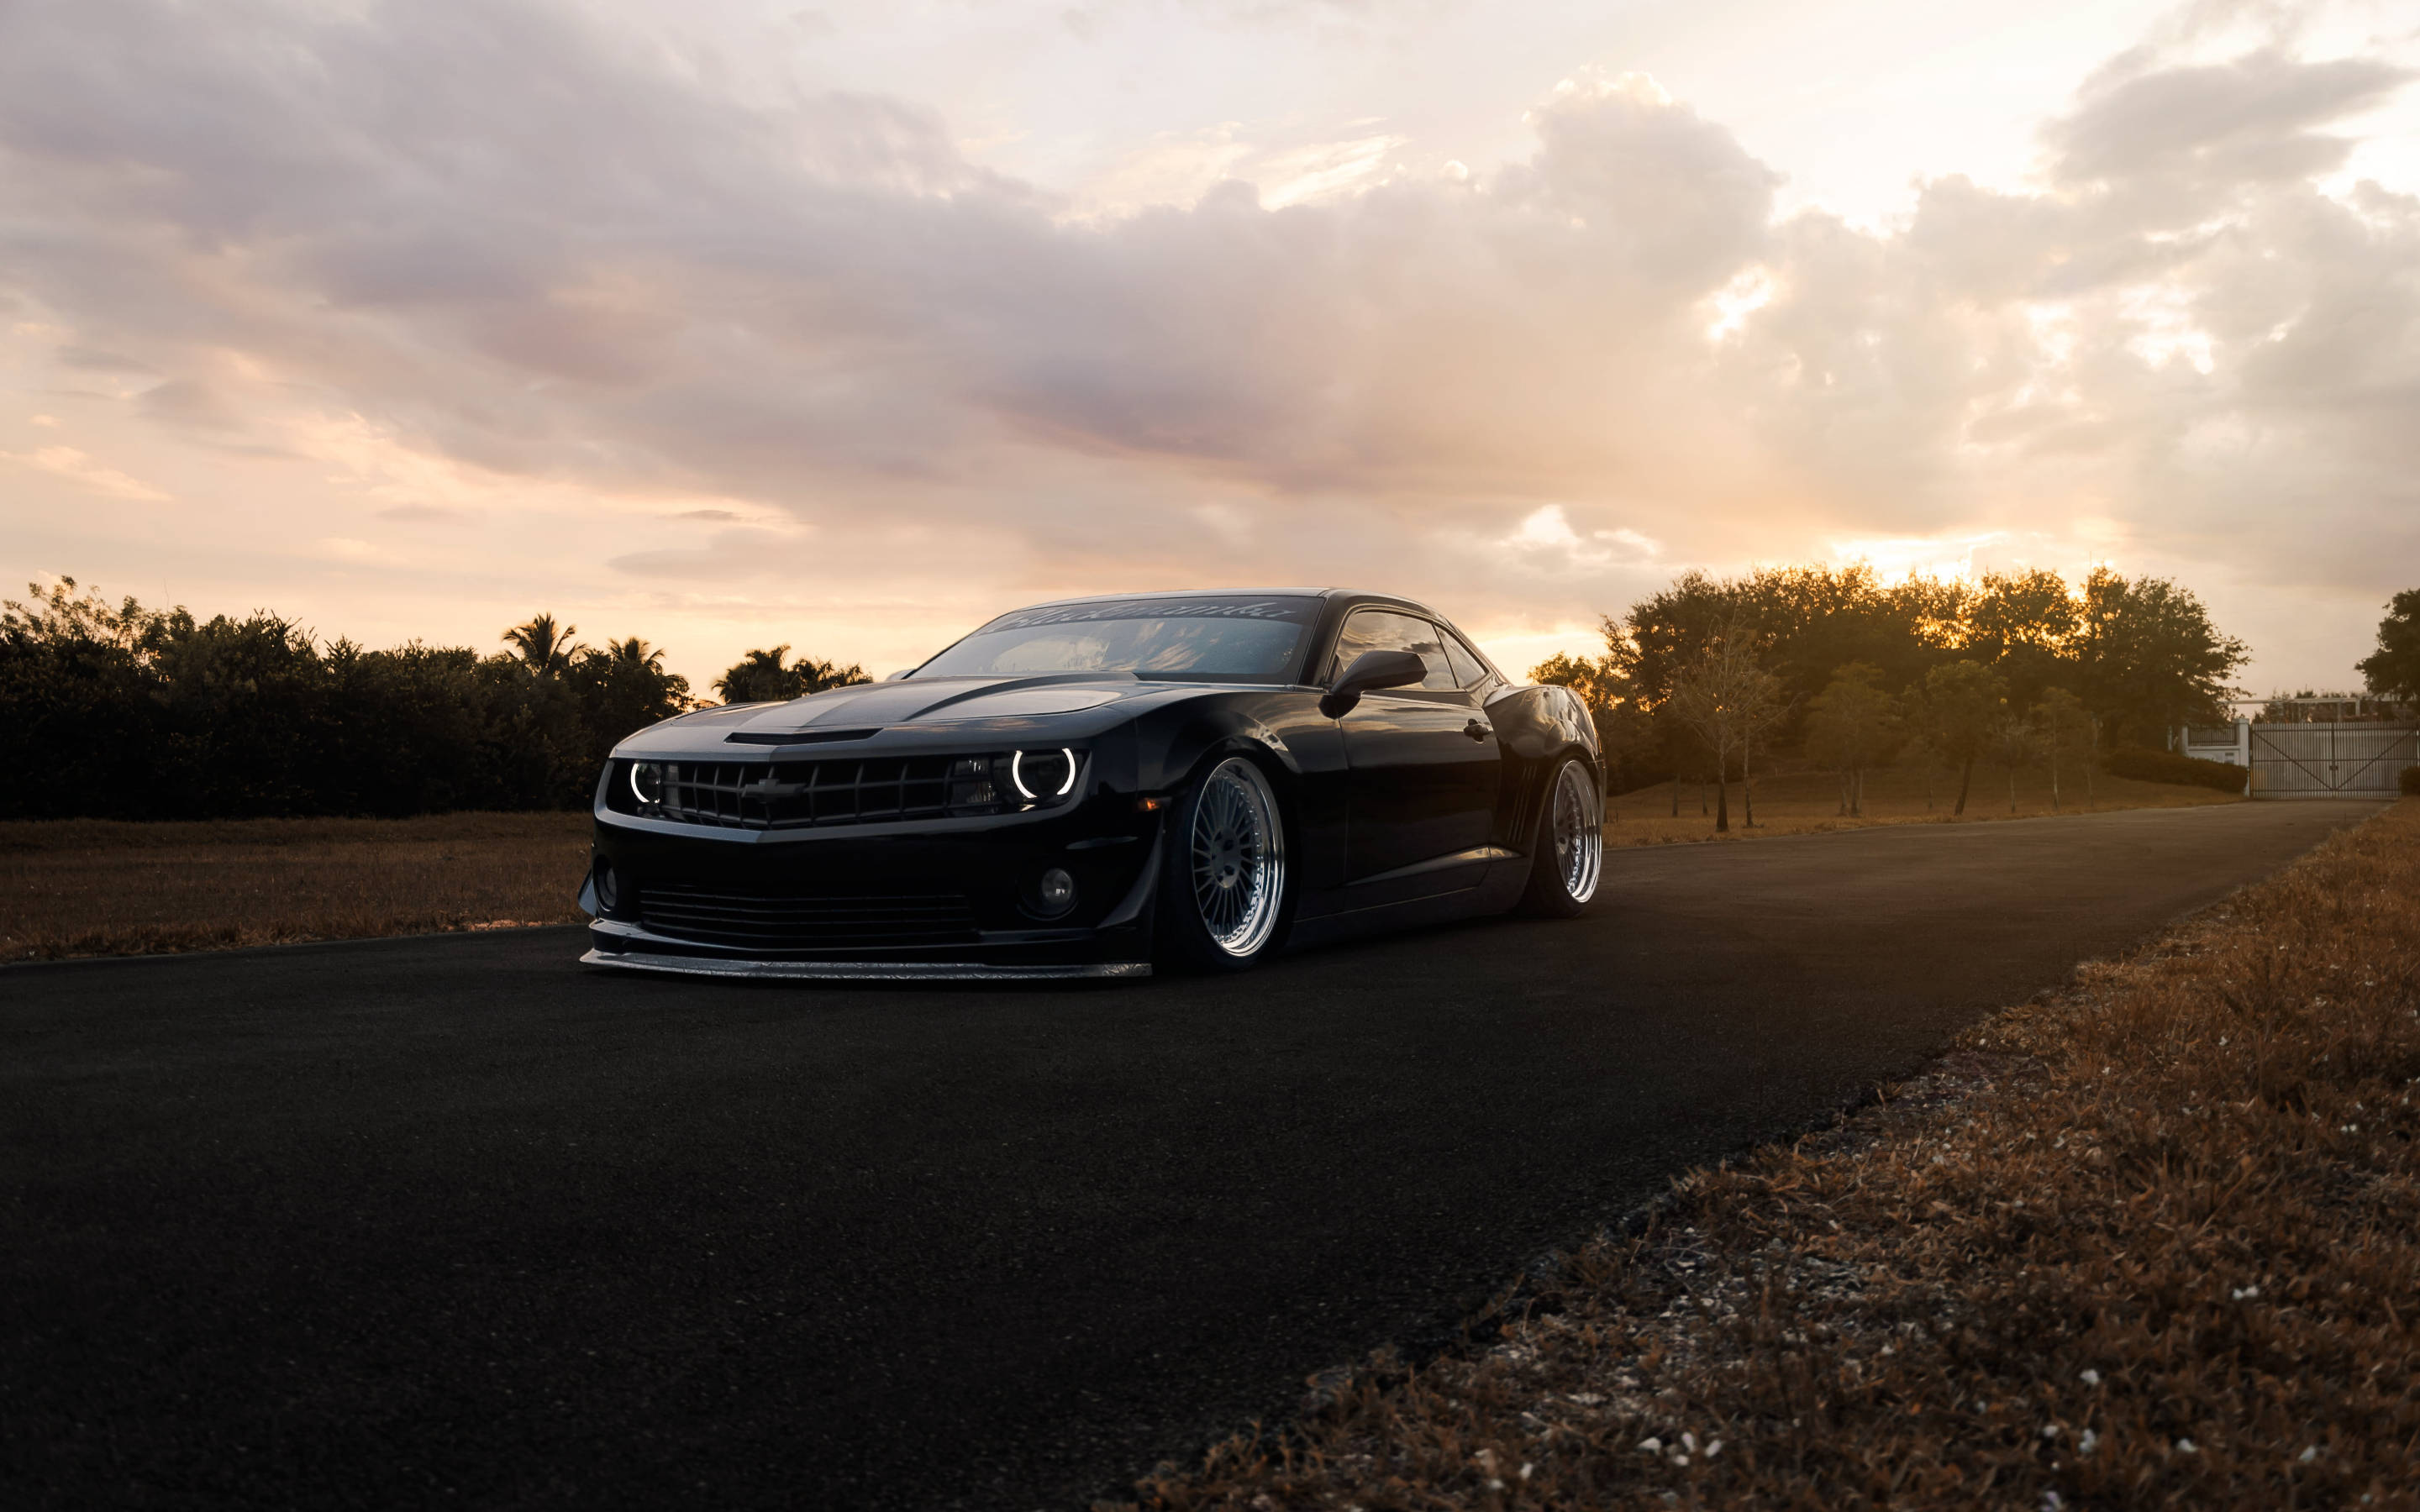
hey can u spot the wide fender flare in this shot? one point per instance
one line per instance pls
(1537, 726)
(1203, 733)
(1207, 733)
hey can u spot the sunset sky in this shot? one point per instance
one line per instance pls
(849, 325)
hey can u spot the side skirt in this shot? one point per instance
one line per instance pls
(1437, 908)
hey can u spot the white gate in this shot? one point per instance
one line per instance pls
(2331, 761)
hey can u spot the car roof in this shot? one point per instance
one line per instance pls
(1243, 593)
(1348, 593)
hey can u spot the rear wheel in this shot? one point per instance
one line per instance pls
(1222, 892)
(1567, 853)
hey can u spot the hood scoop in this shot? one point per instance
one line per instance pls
(797, 737)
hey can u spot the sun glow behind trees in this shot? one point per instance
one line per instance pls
(1972, 669)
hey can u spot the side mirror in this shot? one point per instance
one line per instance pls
(1371, 670)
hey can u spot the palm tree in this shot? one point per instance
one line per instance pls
(636, 653)
(815, 676)
(544, 646)
(759, 677)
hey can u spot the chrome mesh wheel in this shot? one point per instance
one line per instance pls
(1578, 832)
(1239, 857)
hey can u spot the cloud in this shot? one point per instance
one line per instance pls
(630, 282)
(2250, 120)
(98, 477)
(1180, 169)
(619, 278)
(1673, 196)
(729, 556)
(1546, 541)
(421, 515)
(87, 360)
(191, 401)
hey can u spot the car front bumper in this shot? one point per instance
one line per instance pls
(942, 901)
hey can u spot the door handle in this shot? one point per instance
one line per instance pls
(1478, 730)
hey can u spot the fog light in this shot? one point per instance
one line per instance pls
(647, 781)
(1054, 893)
(608, 887)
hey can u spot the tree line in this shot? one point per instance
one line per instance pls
(1702, 679)
(120, 711)
(117, 710)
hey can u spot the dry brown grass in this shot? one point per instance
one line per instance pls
(1800, 803)
(81, 887)
(2153, 1241)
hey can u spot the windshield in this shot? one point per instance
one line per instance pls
(1236, 637)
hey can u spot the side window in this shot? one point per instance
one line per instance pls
(1468, 670)
(1376, 629)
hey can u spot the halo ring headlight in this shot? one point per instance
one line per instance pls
(1016, 775)
(647, 781)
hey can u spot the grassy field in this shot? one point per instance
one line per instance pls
(2150, 1241)
(100, 888)
(1801, 803)
(82, 886)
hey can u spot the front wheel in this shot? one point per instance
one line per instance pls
(1568, 851)
(1222, 894)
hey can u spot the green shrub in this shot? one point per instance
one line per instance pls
(128, 712)
(2167, 766)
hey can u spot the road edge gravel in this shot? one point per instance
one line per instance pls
(2135, 1242)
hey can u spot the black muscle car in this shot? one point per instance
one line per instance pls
(1092, 787)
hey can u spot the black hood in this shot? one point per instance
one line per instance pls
(877, 705)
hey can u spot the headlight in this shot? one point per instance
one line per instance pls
(1042, 776)
(1014, 782)
(647, 781)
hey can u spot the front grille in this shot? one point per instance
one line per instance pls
(799, 794)
(802, 917)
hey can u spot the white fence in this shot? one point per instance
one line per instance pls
(2325, 761)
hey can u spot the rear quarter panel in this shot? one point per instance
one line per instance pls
(1536, 724)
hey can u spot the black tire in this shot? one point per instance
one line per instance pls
(1224, 881)
(1567, 846)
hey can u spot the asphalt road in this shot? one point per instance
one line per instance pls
(457, 1220)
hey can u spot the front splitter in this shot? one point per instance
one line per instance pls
(695, 965)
